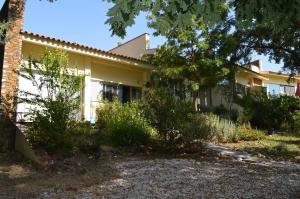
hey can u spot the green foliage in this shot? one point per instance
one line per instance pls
(278, 112)
(195, 59)
(223, 112)
(194, 129)
(296, 122)
(220, 130)
(223, 130)
(180, 14)
(273, 29)
(243, 117)
(167, 114)
(84, 138)
(178, 124)
(249, 134)
(163, 15)
(265, 26)
(125, 124)
(210, 127)
(192, 58)
(55, 103)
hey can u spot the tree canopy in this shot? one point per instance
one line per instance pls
(269, 27)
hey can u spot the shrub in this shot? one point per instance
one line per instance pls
(210, 127)
(167, 114)
(248, 134)
(178, 123)
(221, 130)
(225, 113)
(194, 129)
(84, 138)
(54, 104)
(242, 118)
(275, 112)
(125, 124)
(296, 122)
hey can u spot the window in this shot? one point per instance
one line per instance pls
(136, 93)
(288, 90)
(108, 91)
(240, 89)
(277, 89)
(273, 89)
(130, 93)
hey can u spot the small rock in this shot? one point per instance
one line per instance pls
(240, 159)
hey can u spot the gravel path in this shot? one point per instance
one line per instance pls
(190, 178)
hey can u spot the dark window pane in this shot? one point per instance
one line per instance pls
(110, 91)
(240, 89)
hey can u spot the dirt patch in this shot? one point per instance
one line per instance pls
(144, 175)
(19, 179)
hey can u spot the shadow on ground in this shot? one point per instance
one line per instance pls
(19, 179)
(146, 176)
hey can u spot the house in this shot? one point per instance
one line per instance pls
(119, 72)
(249, 77)
(252, 77)
(107, 74)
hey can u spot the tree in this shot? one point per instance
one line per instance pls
(268, 26)
(163, 15)
(55, 103)
(200, 57)
(188, 60)
(280, 44)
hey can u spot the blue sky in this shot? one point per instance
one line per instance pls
(82, 22)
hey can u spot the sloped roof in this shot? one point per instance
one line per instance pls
(128, 41)
(74, 44)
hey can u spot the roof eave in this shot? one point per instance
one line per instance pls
(253, 73)
(77, 48)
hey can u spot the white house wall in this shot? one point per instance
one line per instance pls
(113, 70)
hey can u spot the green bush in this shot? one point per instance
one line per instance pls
(125, 124)
(221, 130)
(194, 129)
(167, 114)
(296, 122)
(77, 136)
(242, 118)
(209, 127)
(225, 113)
(275, 112)
(56, 102)
(248, 134)
(178, 124)
(84, 138)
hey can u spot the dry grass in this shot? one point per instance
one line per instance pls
(278, 146)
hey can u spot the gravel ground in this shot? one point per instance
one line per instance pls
(190, 178)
